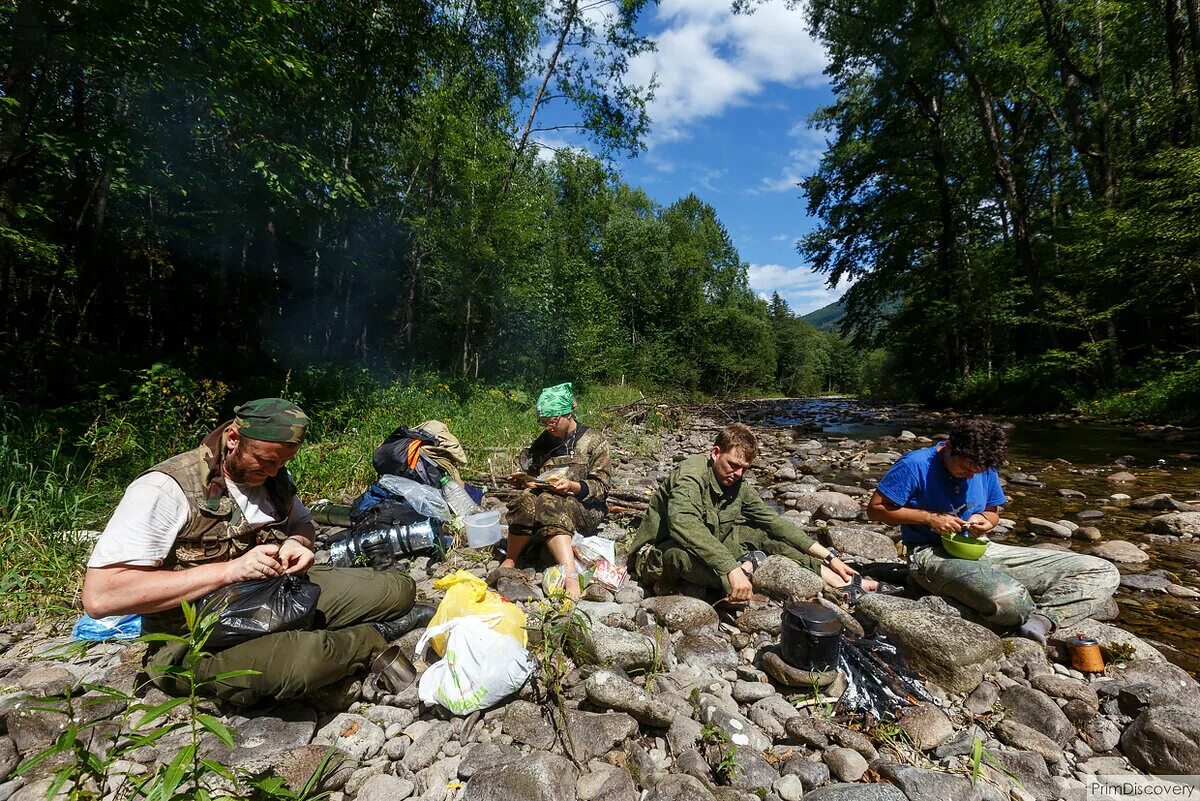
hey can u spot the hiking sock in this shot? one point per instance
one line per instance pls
(1036, 628)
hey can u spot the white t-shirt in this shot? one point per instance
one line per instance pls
(154, 510)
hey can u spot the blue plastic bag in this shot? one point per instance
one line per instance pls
(114, 627)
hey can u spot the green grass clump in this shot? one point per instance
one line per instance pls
(45, 498)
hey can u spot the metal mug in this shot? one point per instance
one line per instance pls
(392, 671)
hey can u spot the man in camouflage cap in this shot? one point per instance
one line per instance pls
(228, 512)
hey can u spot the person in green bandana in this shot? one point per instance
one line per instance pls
(228, 512)
(574, 497)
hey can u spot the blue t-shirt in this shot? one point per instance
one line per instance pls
(920, 480)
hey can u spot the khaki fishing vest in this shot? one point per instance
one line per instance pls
(217, 531)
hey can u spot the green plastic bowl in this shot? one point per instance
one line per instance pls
(961, 546)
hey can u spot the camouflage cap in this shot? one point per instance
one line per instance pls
(271, 420)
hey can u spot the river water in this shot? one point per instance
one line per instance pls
(1062, 454)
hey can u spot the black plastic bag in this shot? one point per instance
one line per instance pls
(264, 606)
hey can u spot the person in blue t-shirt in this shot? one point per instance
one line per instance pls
(953, 488)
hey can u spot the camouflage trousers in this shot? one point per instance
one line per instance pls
(549, 514)
(1009, 583)
(675, 563)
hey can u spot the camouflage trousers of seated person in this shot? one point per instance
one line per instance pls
(1009, 583)
(545, 513)
(293, 664)
(675, 564)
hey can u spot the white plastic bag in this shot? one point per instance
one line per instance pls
(480, 668)
(424, 499)
(589, 549)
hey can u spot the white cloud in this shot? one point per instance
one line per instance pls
(802, 160)
(804, 290)
(709, 59)
(548, 147)
(708, 177)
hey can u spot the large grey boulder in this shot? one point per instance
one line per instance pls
(1176, 524)
(614, 785)
(752, 771)
(840, 505)
(1030, 769)
(1161, 502)
(926, 726)
(953, 652)
(771, 714)
(607, 690)
(740, 731)
(482, 756)
(1038, 711)
(856, 792)
(421, 753)
(682, 613)
(1164, 740)
(9, 758)
(589, 734)
(768, 620)
(1045, 528)
(538, 777)
(1153, 684)
(628, 650)
(862, 542)
(296, 765)
(683, 734)
(679, 787)
(354, 734)
(919, 784)
(1024, 738)
(383, 787)
(1058, 686)
(1121, 552)
(706, 652)
(33, 729)
(784, 580)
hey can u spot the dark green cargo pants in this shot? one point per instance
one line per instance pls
(292, 664)
(675, 563)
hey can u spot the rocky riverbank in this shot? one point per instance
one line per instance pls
(668, 699)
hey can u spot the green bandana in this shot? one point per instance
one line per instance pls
(555, 401)
(271, 420)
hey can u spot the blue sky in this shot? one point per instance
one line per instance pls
(728, 123)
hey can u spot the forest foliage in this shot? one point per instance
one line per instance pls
(1021, 180)
(244, 188)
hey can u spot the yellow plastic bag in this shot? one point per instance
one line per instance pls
(469, 595)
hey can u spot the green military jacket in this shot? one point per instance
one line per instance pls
(691, 509)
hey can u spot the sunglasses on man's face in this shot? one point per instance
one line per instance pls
(545, 421)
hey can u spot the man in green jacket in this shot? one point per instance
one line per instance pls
(706, 526)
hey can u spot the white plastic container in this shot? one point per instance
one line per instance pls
(483, 529)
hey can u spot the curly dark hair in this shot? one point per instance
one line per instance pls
(980, 441)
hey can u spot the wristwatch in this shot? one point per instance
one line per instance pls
(829, 557)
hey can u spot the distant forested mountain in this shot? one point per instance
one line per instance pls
(826, 318)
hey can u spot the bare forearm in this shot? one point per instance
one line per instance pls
(898, 516)
(126, 591)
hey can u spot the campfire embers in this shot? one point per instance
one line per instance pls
(876, 681)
